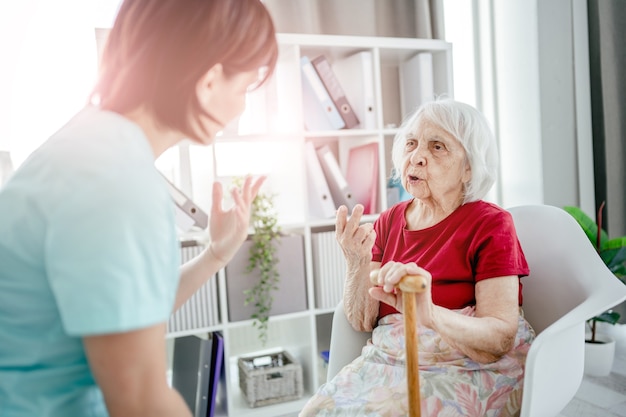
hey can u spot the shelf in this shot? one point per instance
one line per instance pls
(270, 139)
(336, 44)
(246, 324)
(341, 133)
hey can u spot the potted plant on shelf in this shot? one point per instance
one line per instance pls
(268, 267)
(262, 258)
(600, 349)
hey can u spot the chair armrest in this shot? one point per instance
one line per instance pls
(345, 342)
(555, 359)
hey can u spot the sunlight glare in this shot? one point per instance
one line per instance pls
(54, 67)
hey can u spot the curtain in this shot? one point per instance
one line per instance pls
(397, 18)
(607, 60)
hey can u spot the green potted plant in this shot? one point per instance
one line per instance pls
(613, 253)
(269, 266)
(266, 237)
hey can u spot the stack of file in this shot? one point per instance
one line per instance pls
(319, 110)
(321, 203)
(337, 183)
(327, 185)
(326, 104)
(337, 95)
(356, 75)
(201, 309)
(329, 269)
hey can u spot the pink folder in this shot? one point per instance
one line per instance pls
(362, 175)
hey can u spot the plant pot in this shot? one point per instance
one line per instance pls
(616, 332)
(289, 297)
(599, 355)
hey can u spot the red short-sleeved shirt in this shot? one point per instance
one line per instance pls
(477, 241)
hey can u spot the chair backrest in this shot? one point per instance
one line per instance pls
(568, 284)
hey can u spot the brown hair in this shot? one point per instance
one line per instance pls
(157, 51)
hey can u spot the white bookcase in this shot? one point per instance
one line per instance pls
(269, 138)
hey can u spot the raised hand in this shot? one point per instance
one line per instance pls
(356, 240)
(229, 228)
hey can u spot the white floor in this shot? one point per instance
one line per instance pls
(602, 396)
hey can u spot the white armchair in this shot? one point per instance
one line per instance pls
(568, 284)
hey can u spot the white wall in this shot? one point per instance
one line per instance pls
(565, 103)
(518, 101)
(532, 82)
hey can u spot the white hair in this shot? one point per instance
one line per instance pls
(470, 128)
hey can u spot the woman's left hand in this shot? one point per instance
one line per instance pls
(387, 292)
(229, 228)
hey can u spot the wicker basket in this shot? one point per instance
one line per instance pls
(276, 380)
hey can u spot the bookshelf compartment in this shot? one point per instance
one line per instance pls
(290, 294)
(201, 311)
(329, 269)
(292, 334)
(273, 383)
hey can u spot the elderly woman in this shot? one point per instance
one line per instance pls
(473, 337)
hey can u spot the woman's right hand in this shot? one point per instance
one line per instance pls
(356, 240)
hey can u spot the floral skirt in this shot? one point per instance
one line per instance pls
(451, 384)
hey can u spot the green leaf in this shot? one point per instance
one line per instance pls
(614, 255)
(608, 317)
(588, 225)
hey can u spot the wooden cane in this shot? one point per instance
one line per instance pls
(410, 284)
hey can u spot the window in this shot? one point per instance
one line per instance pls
(49, 69)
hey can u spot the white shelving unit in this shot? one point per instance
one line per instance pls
(269, 138)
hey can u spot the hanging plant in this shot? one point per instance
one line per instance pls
(265, 239)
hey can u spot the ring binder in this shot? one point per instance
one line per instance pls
(337, 95)
(320, 113)
(356, 75)
(339, 187)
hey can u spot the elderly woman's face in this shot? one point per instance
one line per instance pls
(434, 165)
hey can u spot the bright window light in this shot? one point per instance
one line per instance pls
(459, 30)
(50, 66)
(238, 159)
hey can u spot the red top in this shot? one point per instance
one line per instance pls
(477, 241)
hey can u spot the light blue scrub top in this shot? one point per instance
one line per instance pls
(87, 246)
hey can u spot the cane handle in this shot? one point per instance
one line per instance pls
(408, 283)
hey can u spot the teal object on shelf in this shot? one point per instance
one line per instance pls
(396, 192)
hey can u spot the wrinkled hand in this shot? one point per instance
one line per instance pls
(229, 228)
(388, 278)
(356, 240)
